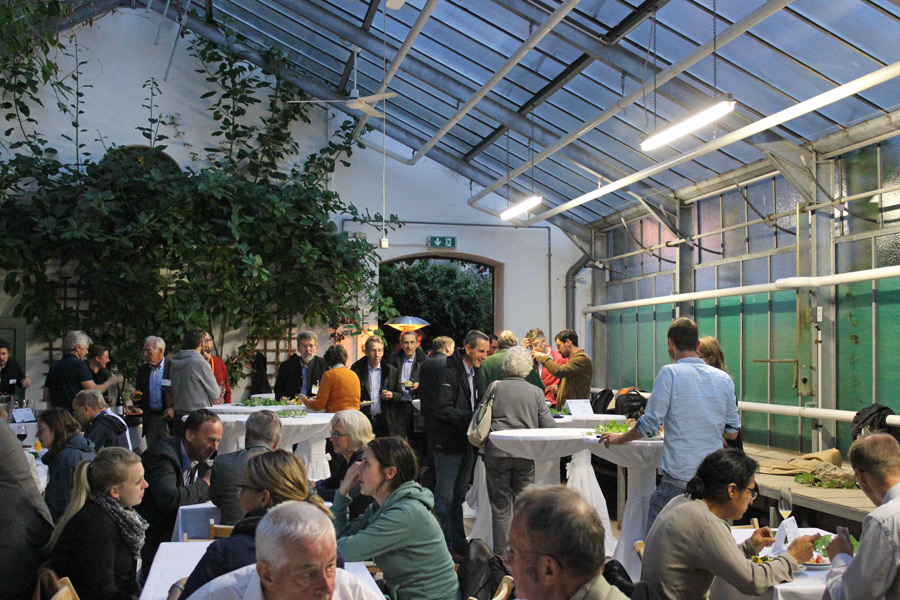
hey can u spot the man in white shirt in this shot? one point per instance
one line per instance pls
(873, 572)
(379, 383)
(407, 360)
(296, 557)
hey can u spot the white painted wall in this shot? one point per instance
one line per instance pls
(121, 54)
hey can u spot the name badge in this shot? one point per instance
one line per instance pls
(167, 382)
(12, 382)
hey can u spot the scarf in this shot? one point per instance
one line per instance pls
(131, 525)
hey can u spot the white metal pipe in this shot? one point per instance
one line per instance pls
(417, 27)
(806, 412)
(558, 15)
(792, 112)
(737, 29)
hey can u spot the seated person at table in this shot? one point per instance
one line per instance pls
(399, 530)
(98, 541)
(100, 427)
(60, 434)
(296, 558)
(691, 542)
(178, 475)
(351, 431)
(873, 572)
(556, 548)
(12, 375)
(263, 432)
(339, 389)
(269, 479)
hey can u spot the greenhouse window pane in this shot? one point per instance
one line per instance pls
(645, 288)
(887, 250)
(786, 199)
(729, 275)
(664, 285)
(853, 256)
(859, 170)
(708, 219)
(756, 271)
(784, 265)
(705, 279)
(733, 212)
(762, 198)
(890, 175)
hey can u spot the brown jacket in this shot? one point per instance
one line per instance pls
(575, 376)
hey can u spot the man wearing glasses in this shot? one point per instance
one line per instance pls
(153, 390)
(555, 549)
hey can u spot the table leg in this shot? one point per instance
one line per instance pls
(546, 472)
(582, 479)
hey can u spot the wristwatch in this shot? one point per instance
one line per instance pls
(178, 585)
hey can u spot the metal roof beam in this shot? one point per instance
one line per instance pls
(366, 25)
(558, 82)
(632, 21)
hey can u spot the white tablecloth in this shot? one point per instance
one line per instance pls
(478, 504)
(309, 433)
(589, 421)
(545, 447)
(641, 458)
(193, 520)
(807, 585)
(238, 409)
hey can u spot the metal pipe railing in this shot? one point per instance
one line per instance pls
(807, 412)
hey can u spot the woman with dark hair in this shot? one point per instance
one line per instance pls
(269, 479)
(351, 432)
(339, 389)
(710, 351)
(690, 541)
(60, 434)
(98, 540)
(398, 529)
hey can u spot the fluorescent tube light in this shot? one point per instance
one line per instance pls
(522, 207)
(692, 123)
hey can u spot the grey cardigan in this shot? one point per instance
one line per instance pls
(517, 405)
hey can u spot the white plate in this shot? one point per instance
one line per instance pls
(816, 566)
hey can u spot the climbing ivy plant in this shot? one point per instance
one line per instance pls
(243, 239)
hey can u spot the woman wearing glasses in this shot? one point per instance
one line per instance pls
(351, 431)
(691, 542)
(269, 479)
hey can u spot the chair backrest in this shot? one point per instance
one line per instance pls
(639, 548)
(754, 525)
(219, 531)
(66, 590)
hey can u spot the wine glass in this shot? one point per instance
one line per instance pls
(21, 433)
(785, 502)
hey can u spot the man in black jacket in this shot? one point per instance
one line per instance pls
(153, 390)
(460, 393)
(99, 426)
(431, 375)
(408, 360)
(379, 383)
(176, 471)
(302, 371)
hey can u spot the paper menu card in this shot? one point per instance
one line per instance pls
(579, 408)
(787, 532)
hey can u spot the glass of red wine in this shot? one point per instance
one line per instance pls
(21, 433)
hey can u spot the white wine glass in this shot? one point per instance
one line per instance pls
(785, 502)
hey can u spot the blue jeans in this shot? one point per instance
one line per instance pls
(667, 489)
(453, 472)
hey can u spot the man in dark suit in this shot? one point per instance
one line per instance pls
(407, 361)
(379, 383)
(302, 372)
(155, 386)
(176, 471)
(263, 432)
(431, 375)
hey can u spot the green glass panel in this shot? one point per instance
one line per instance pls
(755, 375)
(784, 430)
(860, 174)
(888, 299)
(646, 328)
(664, 315)
(730, 337)
(854, 352)
(614, 349)
(629, 347)
(705, 316)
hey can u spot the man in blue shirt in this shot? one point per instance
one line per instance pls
(695, 405)
(153, 390)
(71, 374)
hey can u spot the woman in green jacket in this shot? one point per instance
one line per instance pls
(398, 530)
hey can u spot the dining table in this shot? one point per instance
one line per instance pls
(808, 583)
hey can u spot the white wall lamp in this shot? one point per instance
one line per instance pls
(689, 124)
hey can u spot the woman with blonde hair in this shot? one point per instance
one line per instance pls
(99, 538)
(711, 352)
(269, 479)
(60, 434)
(351, 431)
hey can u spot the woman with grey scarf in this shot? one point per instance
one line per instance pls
(100, 528)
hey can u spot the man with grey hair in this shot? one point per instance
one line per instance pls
(555, 549)
(492, 367)
(153, 390)
(302, 372)
(70, 374)
(296, 558)
(99, 426)
(263, 432)
(517, 405)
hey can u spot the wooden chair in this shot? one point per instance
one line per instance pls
(754, 525)
(503, 590)
(219, 531)
(639, 548)
(66, 590)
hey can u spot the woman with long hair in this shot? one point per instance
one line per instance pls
(60, 434)
(99, 538)
(690, 542)
(711, 352)
(351, 431)
(269, 479)
(399, 529)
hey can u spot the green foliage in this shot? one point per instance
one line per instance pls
(243, 241)
(454, 296)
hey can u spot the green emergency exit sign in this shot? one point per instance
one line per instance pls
(442, 241)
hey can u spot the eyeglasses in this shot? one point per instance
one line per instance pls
(338, 434)
(754, 493)
(511, 554)
(242, 487)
